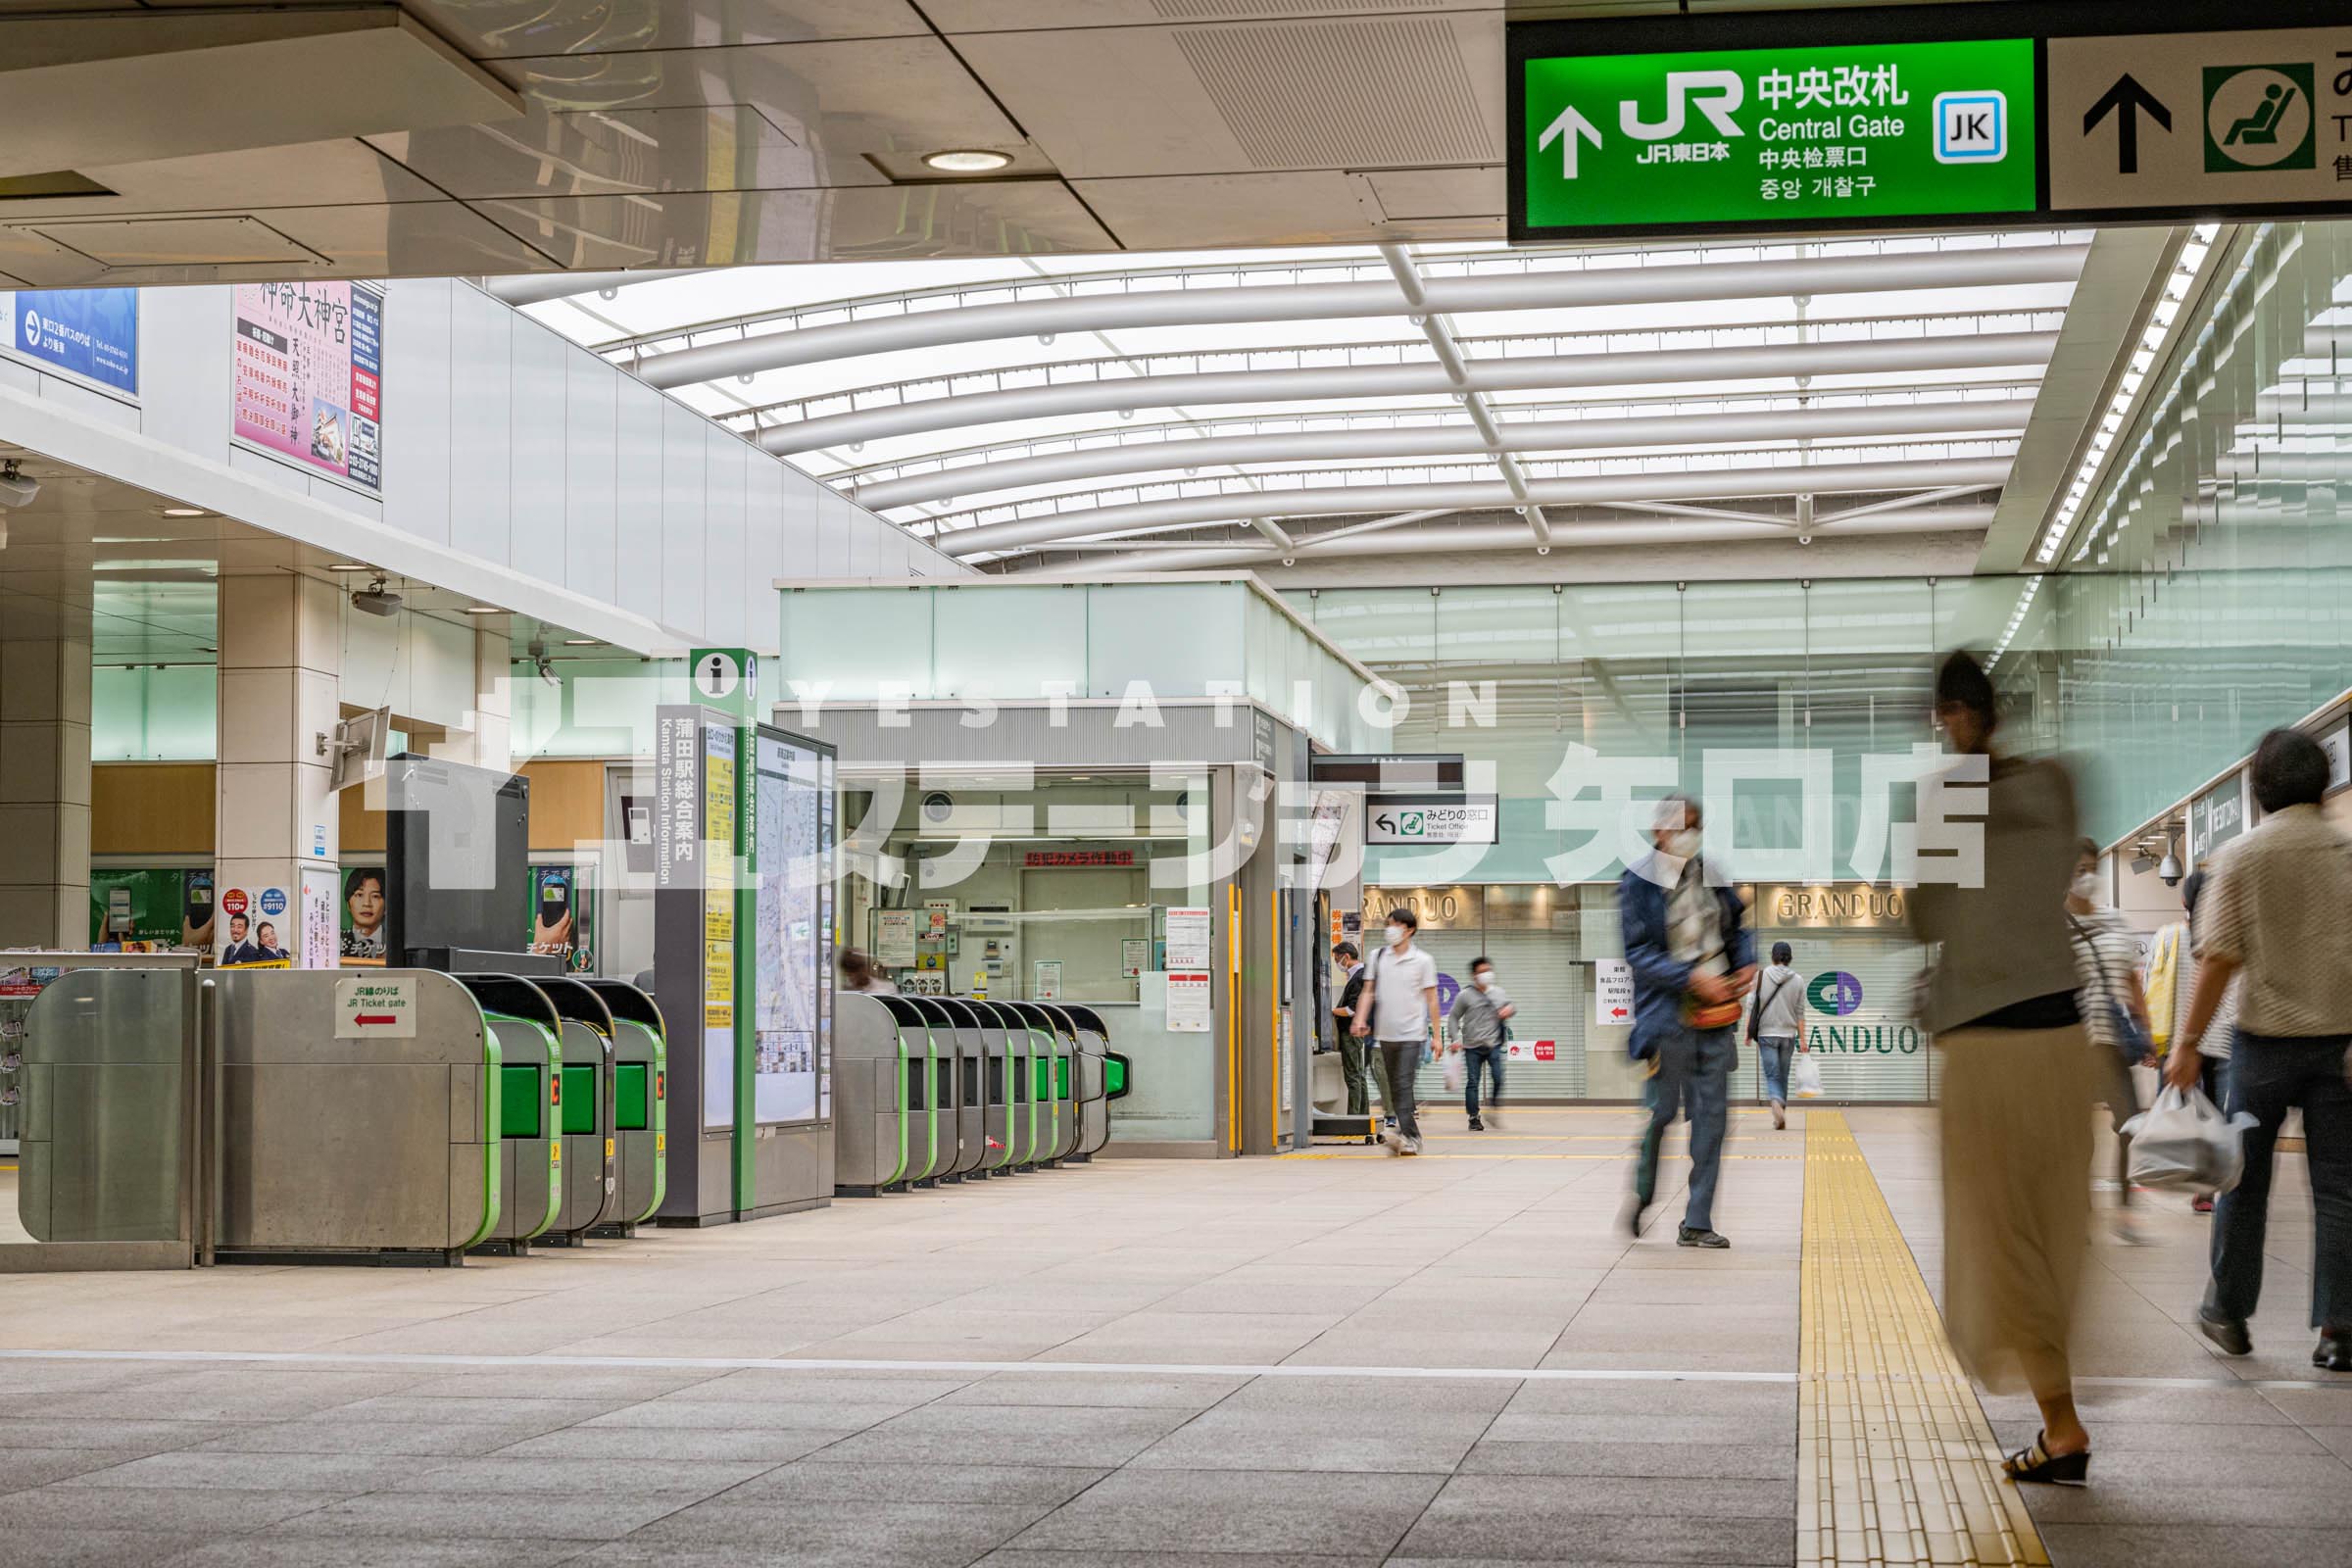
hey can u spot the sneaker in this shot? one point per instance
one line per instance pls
(1389, 1122)
(2227, 1335)
(1687, 1236)
(1780, 1116)
(2334, 1353)
(2127, 1232)
(1477, 1126)
(1409, 1146)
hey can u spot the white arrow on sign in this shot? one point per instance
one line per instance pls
(1566, 129)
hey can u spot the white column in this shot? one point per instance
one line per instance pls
(45, 776)
(280, 679)
(486, 741)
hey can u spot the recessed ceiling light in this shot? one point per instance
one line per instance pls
(185, 511)
(583, 641)
(484, 609)
(349, 565)
(968, 161)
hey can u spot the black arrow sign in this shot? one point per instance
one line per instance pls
(2125, 100)
(1385, 822)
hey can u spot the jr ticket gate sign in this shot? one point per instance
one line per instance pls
(1993, 114)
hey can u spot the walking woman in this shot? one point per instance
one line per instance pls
(2017, 1134)
(1777, 1024)
(2115, 1015)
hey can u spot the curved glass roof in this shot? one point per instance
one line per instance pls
(1221, 408)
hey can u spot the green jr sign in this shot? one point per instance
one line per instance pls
(1835, 135)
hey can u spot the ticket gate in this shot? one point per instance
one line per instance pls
(931, 1143)
(1030, 1112)
(971, 1089)
(586, 1193)
(873, 1038)
(349, 1120)
(1006, 1109)
(1088, 1061)
(1068, 1080)
(530, 1145)
(639, 1098)
(1049, 1081)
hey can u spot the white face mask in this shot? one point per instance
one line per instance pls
(2087, 886)
(1683, 844)
(1397, 934)
(1483, 979)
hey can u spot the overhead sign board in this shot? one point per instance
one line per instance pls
(1978, 114)
(2215, 818)
(1431, 819)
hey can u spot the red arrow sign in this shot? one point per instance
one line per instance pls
(1616, 1013)
(364, 1019)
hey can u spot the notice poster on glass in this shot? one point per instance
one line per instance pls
(1188, 1004)
(894, 938)
(1187, 938)
(792, 954)
(321, 938)
(310, 377)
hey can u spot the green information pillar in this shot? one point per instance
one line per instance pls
(727, 679)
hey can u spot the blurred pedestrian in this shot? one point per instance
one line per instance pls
(1479, 1017)
(1777, 1024)
(2000, 998)
(2277, 913)
(2115, 1014)
(2177, 943)
(859, 972)
(1398, 1009)
(1687, 943)
(1353, 1047)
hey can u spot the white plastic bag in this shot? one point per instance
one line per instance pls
(1457, 1072)
(1804, 1076)
(2145, 1083)
(2184, 1142)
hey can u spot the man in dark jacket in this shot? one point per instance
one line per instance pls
(1353, 1047)
(1693, 958)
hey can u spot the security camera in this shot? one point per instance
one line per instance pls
(2170, 872)
(374, 600)
(537, 654)
(17, 489)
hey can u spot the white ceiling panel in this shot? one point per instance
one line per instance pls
(611, 151)
(1303, 209)
(613, 26)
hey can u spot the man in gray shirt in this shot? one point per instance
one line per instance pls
(1479, 1011)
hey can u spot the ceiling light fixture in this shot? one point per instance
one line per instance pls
(484, 609)
(185, 511)
(583, 641)
(349, 565)
(968, 161)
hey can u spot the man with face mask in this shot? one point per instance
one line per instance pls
(1400, 1010)
(1693, 958)
(1480, 1011)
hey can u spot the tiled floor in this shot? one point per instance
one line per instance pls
(1321, 1361)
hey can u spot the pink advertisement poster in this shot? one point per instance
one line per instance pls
(309, 376)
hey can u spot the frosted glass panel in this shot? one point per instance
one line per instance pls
(146, 714)
(1380, 625)
(868, 641)
(1177, 636)
(1007, 643)
(1489, 625)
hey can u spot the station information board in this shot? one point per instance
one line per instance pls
(1983, 115)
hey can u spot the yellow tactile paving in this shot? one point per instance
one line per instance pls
(1896, 1462)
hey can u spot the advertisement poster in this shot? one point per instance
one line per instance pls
(563, 914)
(1188, 1004)
(320, 937)
(309, 376)
(363, 922)
(1187, 938)
(136, 910)
(89, 332)
(255, 930)
(894, 938)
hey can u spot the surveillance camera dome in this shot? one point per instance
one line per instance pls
(17, 488)
(2170, 872)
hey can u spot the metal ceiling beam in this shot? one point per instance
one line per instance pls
(1439, 333)
(1533, 374)
(1526, 291)
(2003, 414)
(1594, 490)
(1481, 537)
(538, 288)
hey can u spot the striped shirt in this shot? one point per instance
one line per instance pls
(2279, 906)
(2106, 957)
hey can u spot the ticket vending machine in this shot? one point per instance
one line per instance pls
(640, 1100)
(971, 1089)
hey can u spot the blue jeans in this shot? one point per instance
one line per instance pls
(2267, 1074)
(1694, 1076)
(1772, 1054)
(1473, 1058)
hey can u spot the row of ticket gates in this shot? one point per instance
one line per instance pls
(270, 1115)
(942, 1089)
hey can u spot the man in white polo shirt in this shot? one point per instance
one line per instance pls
(1400, 1010)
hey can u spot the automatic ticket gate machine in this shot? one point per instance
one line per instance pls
(1048, 1073)
(931, 1140)
(972, 1090)
(587, 1195)
(1069, 1079)
(530, 1145)
(1091, 1062)
(639, 1098)
(1004, 1111)
(870, 1060)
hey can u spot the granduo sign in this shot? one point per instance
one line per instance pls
(1861, 1038)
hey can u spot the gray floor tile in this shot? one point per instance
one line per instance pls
(340, 1474)
(2133, 1546)
(869, 1481)
(1371, 1397)
(1049, 1434)
(532, 1516)
(424, 1439)
(566, 1476)
(128, 1436)
(2165, 1499)
(719, 1414)
(23, 1469)
(42, 1547)
(1108, 1389)
(1728, 1461)
(268, 1550)
(888, 1532)
(772, 1445)
(1021, 1558)
(1373, 1439)
(1449, 1532)
(2213, 1444)
(1138, 1511)
(189, 1512)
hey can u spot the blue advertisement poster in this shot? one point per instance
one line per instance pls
(93, 333)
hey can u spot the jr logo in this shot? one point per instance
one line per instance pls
(1723, 90)
(1835, 993)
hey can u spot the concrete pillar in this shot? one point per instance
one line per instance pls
(45, 776)
(276, 835)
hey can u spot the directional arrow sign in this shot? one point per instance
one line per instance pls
(1566, 129)
(2127, 100)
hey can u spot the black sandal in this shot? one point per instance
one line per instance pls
(2035, 1462)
